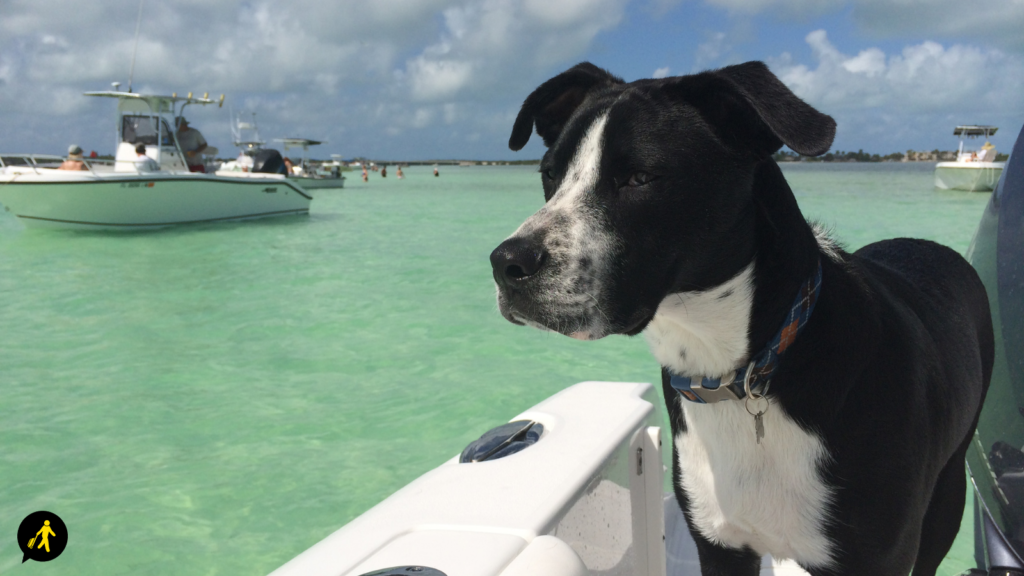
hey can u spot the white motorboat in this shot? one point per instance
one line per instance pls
(572, 487)
(973, 170)
(308, 174)
(121, 196)
(313, 174)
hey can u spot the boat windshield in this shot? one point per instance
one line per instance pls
(143, 130)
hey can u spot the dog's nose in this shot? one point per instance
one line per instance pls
(515, 260)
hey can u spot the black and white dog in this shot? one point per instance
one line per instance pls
(821, 402)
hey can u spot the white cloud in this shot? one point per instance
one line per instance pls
(423, 118)
(487, 47)
(923, 77)
(1000, 23)
(408, 75)
(451, 113)
(799, 8)
(924, 85)
(661, 72)
(710, 51)
(870, 62)
(455, 65)
(437, 79)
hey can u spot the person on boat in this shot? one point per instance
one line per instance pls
(192, 145)
(398, 172)
(244, 161)
(144, 163)
(289, 166)
(74, 161)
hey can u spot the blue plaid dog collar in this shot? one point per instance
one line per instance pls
(705, 390)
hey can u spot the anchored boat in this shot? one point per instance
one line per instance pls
(312, 174)
(122, 196)
(973, 170)
(307, 174)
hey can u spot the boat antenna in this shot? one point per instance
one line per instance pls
(135, 50)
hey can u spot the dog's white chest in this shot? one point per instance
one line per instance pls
(767, 496)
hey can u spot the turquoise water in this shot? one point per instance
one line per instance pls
(216, 399)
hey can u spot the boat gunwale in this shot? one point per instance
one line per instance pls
(971, 165)
(294, 212)
(35, 179)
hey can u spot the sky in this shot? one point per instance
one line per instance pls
(432, 79)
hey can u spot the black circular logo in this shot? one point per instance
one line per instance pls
(42, 536)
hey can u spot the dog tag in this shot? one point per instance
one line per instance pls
(759, 426)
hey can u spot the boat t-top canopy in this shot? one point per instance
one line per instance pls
(157, 104)
(305, 143)
(973, 130)
(140, 117)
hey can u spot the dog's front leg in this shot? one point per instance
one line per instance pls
(715, 560)
(718, 560)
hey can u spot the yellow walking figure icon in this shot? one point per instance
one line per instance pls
(42, 544)
(46, 532)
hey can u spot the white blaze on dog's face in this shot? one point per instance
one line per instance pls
(578, 247)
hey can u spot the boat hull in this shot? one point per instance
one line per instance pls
(134, 202)
(308, 183)
(968, 176)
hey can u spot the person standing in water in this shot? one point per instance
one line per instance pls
(384, 171)
(398, 172)
(435, 171)
(366, 177)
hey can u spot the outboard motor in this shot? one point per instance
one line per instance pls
(268, 161)
(996, 458)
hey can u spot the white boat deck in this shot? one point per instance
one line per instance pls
(587, 498)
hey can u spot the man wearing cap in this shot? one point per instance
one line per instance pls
(74, 161)
(143, 163)
(192, 144)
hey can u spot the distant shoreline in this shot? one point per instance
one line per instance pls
(862, 156)
(782, 156)
(447, 162)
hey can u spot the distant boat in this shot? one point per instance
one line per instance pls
(973, 170)
(122, 196)
(308, 174)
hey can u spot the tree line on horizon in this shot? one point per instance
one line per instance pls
(862, 156)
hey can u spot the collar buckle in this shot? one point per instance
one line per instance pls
(727, 389)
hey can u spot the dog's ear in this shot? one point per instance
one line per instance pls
(553, 102)
(752, 107)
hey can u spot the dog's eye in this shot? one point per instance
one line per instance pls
(638, 179)
(548, 174)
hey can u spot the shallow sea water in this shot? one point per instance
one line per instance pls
(216, 399)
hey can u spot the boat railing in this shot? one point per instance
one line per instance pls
(47, 162)
(91, 162)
